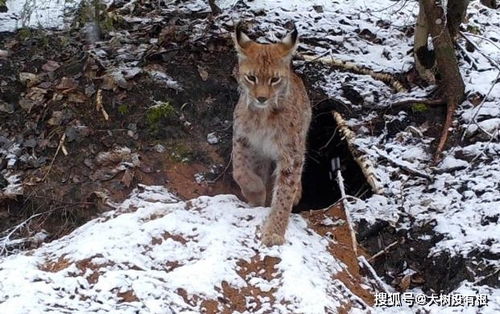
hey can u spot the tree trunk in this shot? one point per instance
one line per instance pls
(450, 82)
(424, 59)
(455, 15)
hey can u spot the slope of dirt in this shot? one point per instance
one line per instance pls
(155, 253)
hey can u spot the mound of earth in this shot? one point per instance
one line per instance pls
(157, 254)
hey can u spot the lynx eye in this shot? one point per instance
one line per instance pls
(251, 78)
(275, 79)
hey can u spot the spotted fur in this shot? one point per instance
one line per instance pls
(271, 121)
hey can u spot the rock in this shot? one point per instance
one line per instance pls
(6, 107)
(132, 127)
(451, 163)
(4, 54)
(212, 138)
(159, 148)
(31, 143)
(318, 8)
(76, 133)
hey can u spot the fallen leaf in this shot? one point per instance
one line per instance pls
(67, 83)
(29, 79)
(50, 66)
(77, 97)
(404, 284)
(203, 73)
(127, 178)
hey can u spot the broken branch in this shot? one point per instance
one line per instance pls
(361, 159)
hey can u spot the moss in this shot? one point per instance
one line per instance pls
(24, 33)
(473, 29)
(123, 109)
(419, 107)
(161, 111)
(182, 153)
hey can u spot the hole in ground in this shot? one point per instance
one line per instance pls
(320, 188)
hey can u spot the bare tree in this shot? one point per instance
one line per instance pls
(442, 25)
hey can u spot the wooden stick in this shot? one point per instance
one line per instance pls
(401, 165)
(361, 159)
(340, 181)
(364, 263)
(409, 102)
(383, 251)
(61, 143)
(349, 66)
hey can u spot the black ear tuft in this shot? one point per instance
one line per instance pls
(241, 40)
(294, 34)
(238, 30)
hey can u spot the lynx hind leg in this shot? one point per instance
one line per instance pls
(263, 168)
(251, 184)
(298, 193)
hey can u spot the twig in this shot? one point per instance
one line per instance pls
(318, 56)
(61, 143)
(473, 120)
(340, 181)
(390, 246)
(329, 140)
(487, 276)
(485, 38)
(19, 226)
(492, 62)
(401, 165)
(223, 172)
(364, 263)
(409, 102)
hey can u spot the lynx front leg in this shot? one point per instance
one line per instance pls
(284, 196)
(251, 184)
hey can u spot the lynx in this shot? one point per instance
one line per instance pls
(271, 120)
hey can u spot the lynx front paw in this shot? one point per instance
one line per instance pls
(271, 236)
(272, 239)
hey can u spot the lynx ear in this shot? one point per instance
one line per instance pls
(241, 40)
(290, 43)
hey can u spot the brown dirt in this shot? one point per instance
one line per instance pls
(341, 248)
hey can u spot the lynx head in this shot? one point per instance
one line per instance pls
(264, 69)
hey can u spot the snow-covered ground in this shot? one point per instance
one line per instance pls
(35, 13)
(153, 246)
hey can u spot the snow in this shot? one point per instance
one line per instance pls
(154, 244)
(212, 138)
(31, 13)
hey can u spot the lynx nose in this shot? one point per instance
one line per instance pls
(262, 99)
